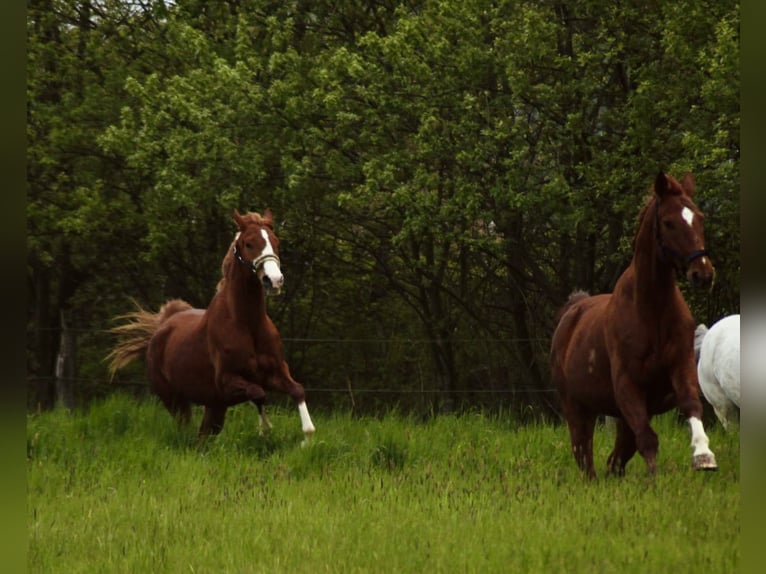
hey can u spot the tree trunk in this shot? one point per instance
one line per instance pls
(66, 366)
(42, 352)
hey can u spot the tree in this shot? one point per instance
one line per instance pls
(443, 173)
(79, 200)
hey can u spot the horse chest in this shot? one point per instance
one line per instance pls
(249, 357)
(651, 371)
(647, 361)
(647, 358)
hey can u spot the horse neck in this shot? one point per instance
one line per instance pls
(655, 279)
(245, 294)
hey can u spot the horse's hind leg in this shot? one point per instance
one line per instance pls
(212, 421)
(182, 412)
(727, 413)
(624, 449)
(179, 409)
(581, 424)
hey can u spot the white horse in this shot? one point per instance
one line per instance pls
(717, 351)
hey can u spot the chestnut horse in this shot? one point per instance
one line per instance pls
(630, 354)
(229, 353)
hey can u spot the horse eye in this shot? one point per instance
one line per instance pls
(249, 245)
(668, 224)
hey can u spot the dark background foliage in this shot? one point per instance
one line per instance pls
(443, 174)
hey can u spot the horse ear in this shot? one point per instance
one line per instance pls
(661, 184)
(239, 220)
(268, 218)
(688, 184)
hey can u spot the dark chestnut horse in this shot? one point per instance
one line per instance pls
(228, 354)
(630, 354)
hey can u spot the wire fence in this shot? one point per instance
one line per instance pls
(372, 372)
(310, 389)
(344, 340)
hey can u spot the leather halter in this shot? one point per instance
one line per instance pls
(256, 263)
(665, 250)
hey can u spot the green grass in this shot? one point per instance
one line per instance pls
(121, 489)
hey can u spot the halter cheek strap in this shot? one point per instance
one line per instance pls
(256, 263)
(665, 250)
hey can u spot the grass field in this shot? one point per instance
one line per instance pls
(121, 489)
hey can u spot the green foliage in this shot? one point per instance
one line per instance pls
(119, 489)
(444, 171)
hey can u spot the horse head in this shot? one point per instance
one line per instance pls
(257, 247)
(678, 228)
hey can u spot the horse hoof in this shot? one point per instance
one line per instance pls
(704, 462)
(306, 440)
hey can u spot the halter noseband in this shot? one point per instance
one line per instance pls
(256, 263)
(664, 249)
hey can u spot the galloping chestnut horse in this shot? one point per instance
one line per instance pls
(630, 354)
(228, 354)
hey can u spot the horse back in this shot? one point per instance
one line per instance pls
(177, 358)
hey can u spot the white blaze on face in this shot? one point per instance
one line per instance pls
(270, 267)
(688, 215)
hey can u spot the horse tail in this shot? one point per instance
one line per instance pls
(699, 335)
(574, 297)
(135, 334)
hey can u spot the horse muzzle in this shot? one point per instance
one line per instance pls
(272, 286)
(271, 278)
(266, 267)
(700, 271)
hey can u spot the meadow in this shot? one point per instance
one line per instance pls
(120, 488)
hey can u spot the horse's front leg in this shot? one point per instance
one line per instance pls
(686, 385)
(235, 388)
(702, 457)
(254, 393)
(264, 424)
(306, 424)
(624, 448)
(284, 381)
(631, 400)
(212, 422)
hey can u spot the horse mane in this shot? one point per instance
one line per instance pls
(674, 188)
(650, 198)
